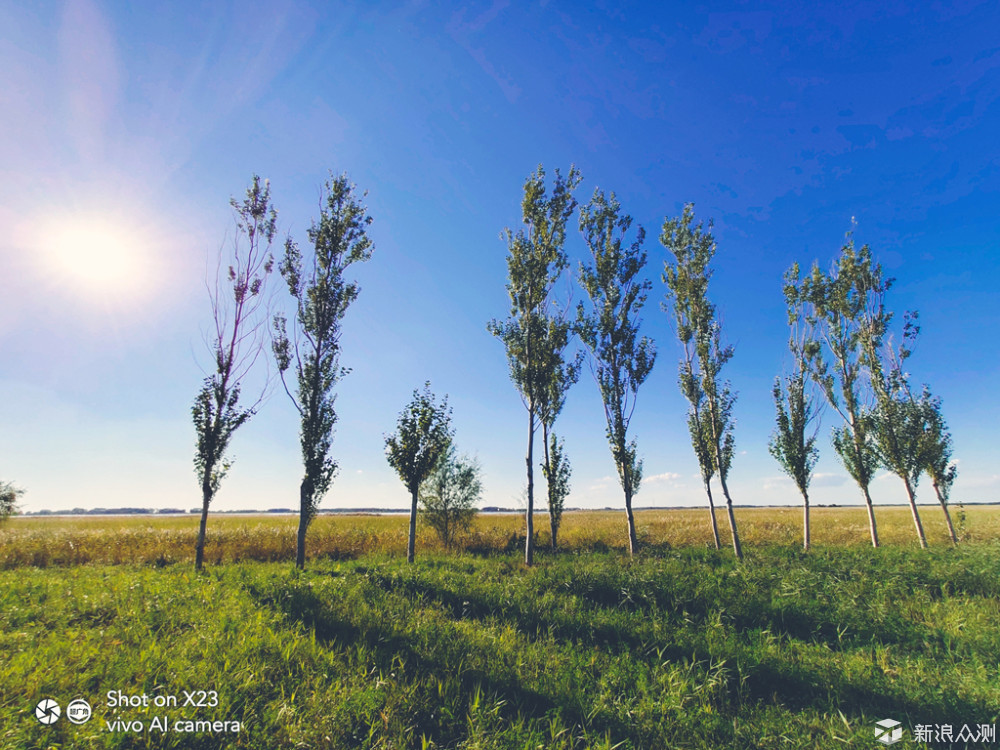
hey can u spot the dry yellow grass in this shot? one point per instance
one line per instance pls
(151, 540)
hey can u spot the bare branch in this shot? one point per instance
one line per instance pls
(238, 339)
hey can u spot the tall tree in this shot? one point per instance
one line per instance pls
(791, 446)
(621, 360)
(423, 434)
(899, 421)
(535, 260)
(937, 454)
(322, 295)
(840, 301)
(239, 322)
(710, 419)
(687, 284)
(449, 495)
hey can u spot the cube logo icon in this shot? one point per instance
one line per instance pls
(888, 731)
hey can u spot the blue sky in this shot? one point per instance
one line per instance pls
(126, 130)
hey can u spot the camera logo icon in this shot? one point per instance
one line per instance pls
(47, 711)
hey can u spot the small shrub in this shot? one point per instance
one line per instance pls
(8, 500)
(449, 495)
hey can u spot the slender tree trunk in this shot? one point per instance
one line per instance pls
(633, 542)
(871, 516)
(711, 510)
(305, 499)
(916, 515)
(206, 498)
(625, 473)
(805, 521)
(411, 540)
(545, 455)
(716, 438)
(858, 452)
(529, 542)
(555, 530)
(732, 520)
(947, 514)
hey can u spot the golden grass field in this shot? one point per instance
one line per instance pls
(44, 541)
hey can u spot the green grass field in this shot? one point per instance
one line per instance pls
(681, 647)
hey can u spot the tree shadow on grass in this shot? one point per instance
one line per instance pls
(387, 648)
(795, 686)
(808, 622)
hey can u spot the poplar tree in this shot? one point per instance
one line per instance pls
(535, 261)
(840, 301)
(911, 436)
(899, 421)
(322, 295)
(621, 360)
(423, 435)
(937, 456)
(692, 314)
(710, 419)
(236, 341)
(790, 445)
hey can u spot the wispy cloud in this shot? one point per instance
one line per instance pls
(981, 482)
(462, 32)
(821, 479)
(667, 476)
(780, 482)
(90, 71)
(601, 484)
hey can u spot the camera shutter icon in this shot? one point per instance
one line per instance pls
(47, 711)
(888, 731)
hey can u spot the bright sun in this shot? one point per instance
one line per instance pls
(97, 256)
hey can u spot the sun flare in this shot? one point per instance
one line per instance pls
(97, 256)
